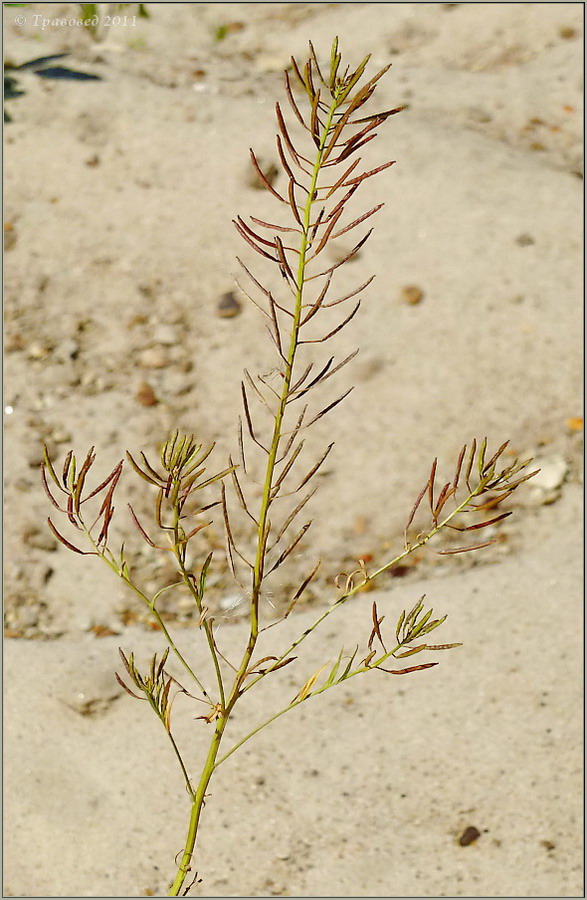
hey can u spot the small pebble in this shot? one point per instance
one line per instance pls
(575, 423)
(38, 351)
(567, 33)
(101, 631)
(153, 358)
(412, 294)
(146, 395)
(553, 471)
(166, 335)
(228, 306)
(525, 240)
(83, 621)
(469, 835)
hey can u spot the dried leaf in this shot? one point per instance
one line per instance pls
(308, 685)
(409, 669)
(290, 548)
(67, 543)
(443, 646)
(302, 588)
(466, 549)
(412, 651)
(127, 689)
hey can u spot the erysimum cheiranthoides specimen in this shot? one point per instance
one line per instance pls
(318, 143)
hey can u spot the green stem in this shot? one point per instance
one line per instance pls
(262, 535)
(289, 367)
(295, 703)
(346, 596)
(409, 549)
(255, 731)
(150, 604)
(181, 763)
(197, 805)
(179, 556)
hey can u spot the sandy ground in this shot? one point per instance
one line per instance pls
(118, 200)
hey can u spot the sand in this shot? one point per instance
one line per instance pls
(118, 200)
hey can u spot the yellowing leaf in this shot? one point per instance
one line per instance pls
(305, 690)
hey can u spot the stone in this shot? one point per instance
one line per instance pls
(154, 358)
(553, 471)
(228, 306)
(166, 334)
(412, 295)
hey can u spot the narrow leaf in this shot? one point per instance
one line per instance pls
(67, 543)
(315, 468)
(411, 652)
(140, 527)
(444, 646)
(302, 588)
(348, 666)
(47, 491)
(293, 515)
(290, 548)
(334, 670)
(329, 407)
(409, 669)
(400, 622)
(470, 462)
(309, 684)
(127, 689)
(263, 177)
(466, 549)
(358, 221)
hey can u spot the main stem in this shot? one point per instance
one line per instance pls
(288, 374)
(197, 805)
(262, 535)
